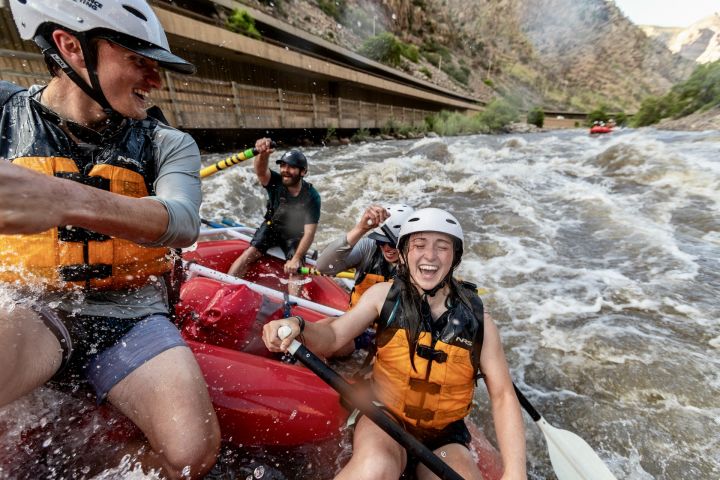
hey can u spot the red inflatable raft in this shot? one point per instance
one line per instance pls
(260, 399)
(600, 129)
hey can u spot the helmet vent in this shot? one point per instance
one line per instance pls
(135, 12)
(448, 220)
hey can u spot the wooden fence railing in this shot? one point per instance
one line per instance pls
(194, 102)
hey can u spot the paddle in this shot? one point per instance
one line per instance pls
(315, 271)
(224, 277)
(571, 457)
(230, 161)
(369, 409)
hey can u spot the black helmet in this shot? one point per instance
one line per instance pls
(294, 158)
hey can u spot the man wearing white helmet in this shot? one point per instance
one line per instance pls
(433, 342)
(374, 257)
(92, 196)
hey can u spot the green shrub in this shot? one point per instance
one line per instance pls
(536, 117)
(426, 72)
(597, 115)
(447, 123)
(498, 114)
(410, 52)
(700, 91)
(489, 82)
(385, 48)
(360, 135)
(388, 49)
(330, 133)
(332, 8)
(460, 75)
(241, 22)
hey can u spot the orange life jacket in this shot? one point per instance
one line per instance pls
(378, 270)
(120, 159)
(440, 387)
(66, 256)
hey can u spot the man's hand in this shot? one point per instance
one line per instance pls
(292, 265)
(264, 146)
(372, 217)
(29, 202)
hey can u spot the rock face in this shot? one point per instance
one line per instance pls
(561, 54)
(700, 42)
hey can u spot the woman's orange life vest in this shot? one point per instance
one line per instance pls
(67, 257)
(439, 389)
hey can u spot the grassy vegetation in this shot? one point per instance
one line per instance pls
(388, 49)
(536, 117)
(241, 22)
(332, 8)
(496, 116)
(699, 92)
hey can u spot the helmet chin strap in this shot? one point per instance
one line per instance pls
(93, 90)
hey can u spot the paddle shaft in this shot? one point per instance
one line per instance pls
(526, 404)
(230, 161)
(224, 277)
(315, 271)
(381, 419)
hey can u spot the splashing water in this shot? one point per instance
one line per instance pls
(601, 260)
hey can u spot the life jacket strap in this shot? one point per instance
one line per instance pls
(417, 413)
(419, 385)
(84, 272)
(79, 234)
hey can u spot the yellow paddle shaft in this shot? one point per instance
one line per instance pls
(314, 271)
(228, 162)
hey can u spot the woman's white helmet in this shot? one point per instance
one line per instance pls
(433, 220)
(399, 212)
(129, 23)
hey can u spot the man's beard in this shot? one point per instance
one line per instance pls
(291, 180)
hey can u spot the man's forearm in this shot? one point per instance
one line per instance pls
(303, 246)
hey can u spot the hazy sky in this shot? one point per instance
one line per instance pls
(668, 13)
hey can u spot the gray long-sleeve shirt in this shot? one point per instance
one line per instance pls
(339, 256)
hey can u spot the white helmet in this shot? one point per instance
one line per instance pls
(433, 220)
(129, 23)
(389, 230)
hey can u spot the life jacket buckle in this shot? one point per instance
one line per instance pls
(438, 356)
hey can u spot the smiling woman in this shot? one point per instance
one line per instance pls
(433, 340)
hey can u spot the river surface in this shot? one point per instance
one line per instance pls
(601, 257)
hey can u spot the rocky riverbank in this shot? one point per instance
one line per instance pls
(698, 121)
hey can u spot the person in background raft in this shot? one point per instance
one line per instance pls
(374, 257)
(433, 342)
(92, 196)
(292, 216)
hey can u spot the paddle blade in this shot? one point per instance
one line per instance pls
(571, 457)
